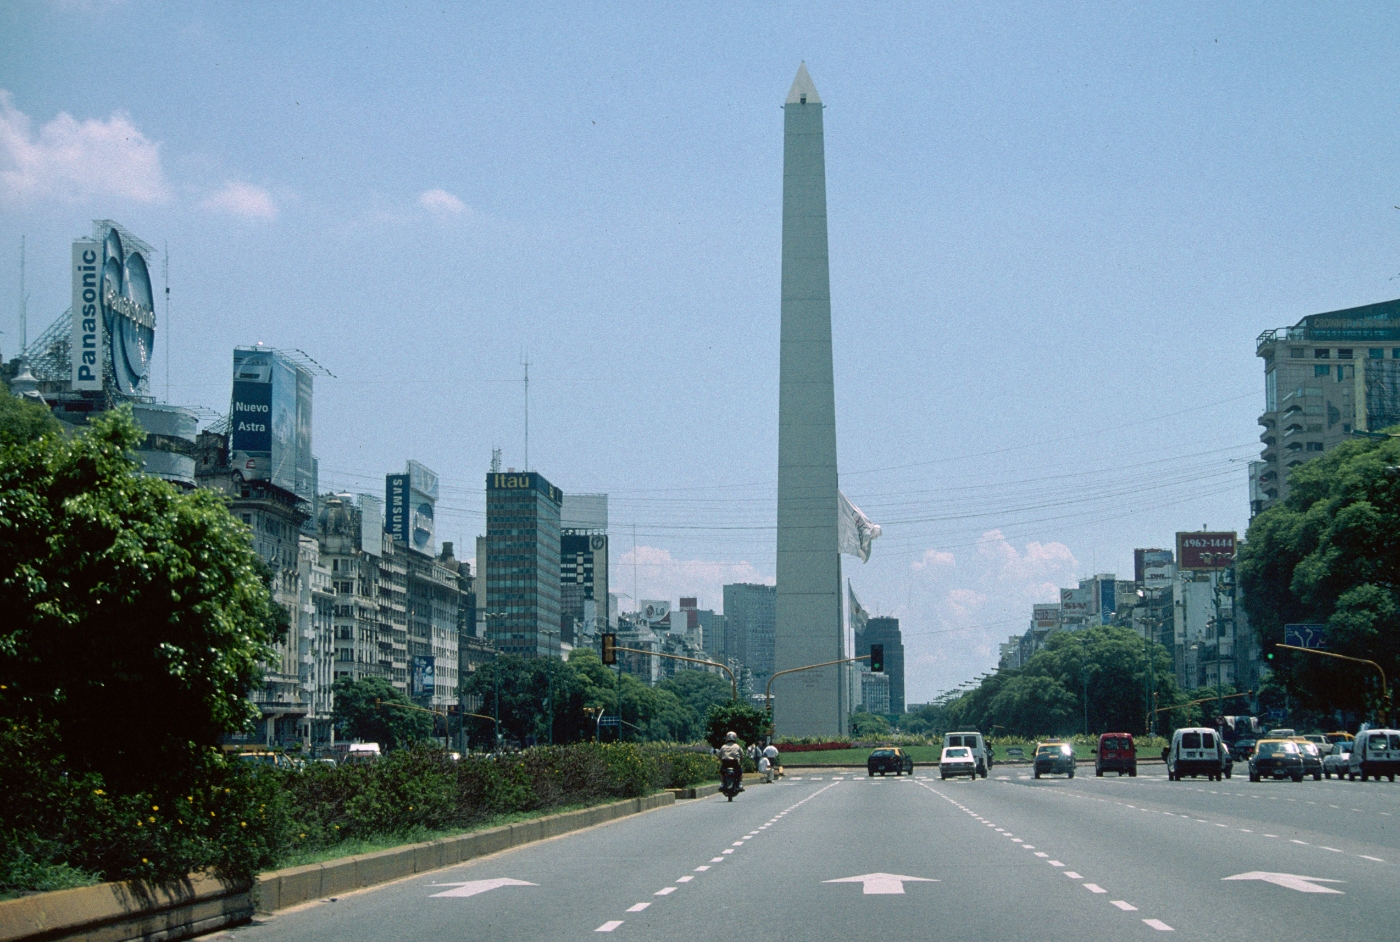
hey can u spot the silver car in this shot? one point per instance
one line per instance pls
(1336, 761)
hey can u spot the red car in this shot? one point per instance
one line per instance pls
(1116, 753)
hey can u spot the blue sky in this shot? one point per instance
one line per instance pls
(1056, 231)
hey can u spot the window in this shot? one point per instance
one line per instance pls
(1344, 354)
(1322, 371)
(1376, 353)
(1322, 353)
(1314, 446)
(1295, 353)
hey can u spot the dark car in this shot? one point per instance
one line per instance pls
(1054, 758)
(889, 760)
(1116, 753)
(1312, 759)
(1276, 758)
(1243, 749)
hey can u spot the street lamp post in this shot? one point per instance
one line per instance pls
(1150, 624)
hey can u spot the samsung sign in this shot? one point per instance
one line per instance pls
(87, 315)
(396, 506)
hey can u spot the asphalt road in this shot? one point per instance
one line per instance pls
(1007, 858)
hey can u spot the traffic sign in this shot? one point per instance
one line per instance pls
(1304, 636)
(610, 721)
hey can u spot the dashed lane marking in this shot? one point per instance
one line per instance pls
(1094, 888)
(1159, 925)
(638, 907)
(1124, 905)
(665, 891)
(609, 926)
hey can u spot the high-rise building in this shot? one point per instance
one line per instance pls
(750, 614)
(885, 630)
(523, 550)
(808, 621)
(1326, 377)
(583, 569)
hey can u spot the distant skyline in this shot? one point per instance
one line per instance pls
(1056, 232)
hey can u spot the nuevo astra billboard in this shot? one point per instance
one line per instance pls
(114, 314)
(270, 421)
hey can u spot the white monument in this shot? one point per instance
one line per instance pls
(808, 629)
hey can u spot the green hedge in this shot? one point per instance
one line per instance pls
(61, 830)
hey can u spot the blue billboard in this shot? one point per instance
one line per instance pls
(424, 667)
(270, 422)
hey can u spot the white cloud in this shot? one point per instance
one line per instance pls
(661, 576)
(965, 602)
(933, 559)
(441, 201)
(244, 200)
(75, 161)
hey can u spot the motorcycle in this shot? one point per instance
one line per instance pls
(730, 781)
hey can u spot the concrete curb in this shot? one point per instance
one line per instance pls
(293, 886)
(118, 912)
(699, 791)
(115, 912)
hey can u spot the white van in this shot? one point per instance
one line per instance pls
(1376, 752)
(1195, 751)
(974, 741)
(362, 753)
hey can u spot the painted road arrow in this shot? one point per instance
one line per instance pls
(1290, 880)
(474, 887)
(876, 883)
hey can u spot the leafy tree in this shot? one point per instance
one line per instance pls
(23, 421)
(124, 599)
(869, 725)
(748, 722)
(1330, 554)
(373, 710)
(698, 690)
(1048, 694)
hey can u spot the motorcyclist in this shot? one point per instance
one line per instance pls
(731, 756)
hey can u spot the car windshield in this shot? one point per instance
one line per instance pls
(881, 753)
(1049, 750)
(959, 753)
(1277, 748)
(1309, 748)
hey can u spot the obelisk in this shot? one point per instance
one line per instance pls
(808, 629)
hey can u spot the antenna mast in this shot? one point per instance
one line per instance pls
(525, 362)
(165, 264)
(23, 306)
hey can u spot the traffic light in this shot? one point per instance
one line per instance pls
(609, 648)
(877, 658)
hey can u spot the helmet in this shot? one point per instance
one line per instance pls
(731, 737)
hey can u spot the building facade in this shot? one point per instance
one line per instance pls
(523, 551)
(1326, 377)
(885, 630)
(750, 616)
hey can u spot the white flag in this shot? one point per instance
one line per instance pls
(857, 532)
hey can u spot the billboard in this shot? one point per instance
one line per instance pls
(1076, 603)
(371, 525)
(584, 512)
(424, 668)
(422, 500)
(114, 313)
(396, 506)
(86, 343)
(270, 422)
(1205, 551)
(1108, 596)
(653, 612)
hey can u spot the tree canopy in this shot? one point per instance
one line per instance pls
(1105, 667)
(373, 710)
(1330, 554)
(133, 615)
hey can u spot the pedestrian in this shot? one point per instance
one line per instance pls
(770, 752)
(765, 768)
